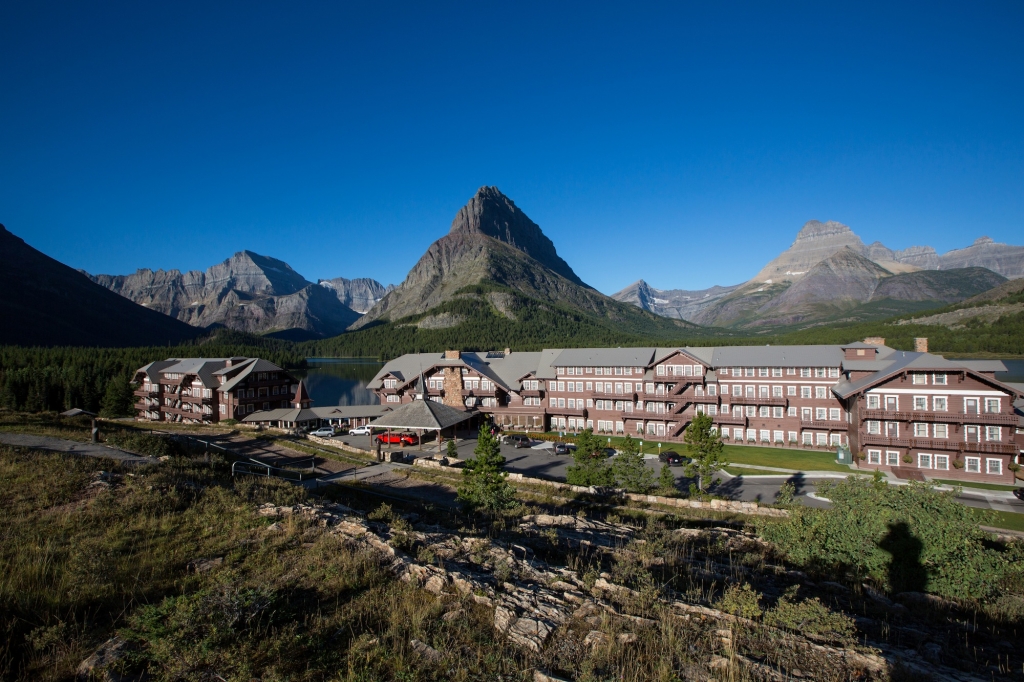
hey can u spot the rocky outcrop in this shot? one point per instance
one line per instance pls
(247, 292)
(359, 294)
(46, 303)
(815, 242)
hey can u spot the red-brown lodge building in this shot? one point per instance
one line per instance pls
(893, 409)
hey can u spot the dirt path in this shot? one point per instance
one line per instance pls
(72, 447)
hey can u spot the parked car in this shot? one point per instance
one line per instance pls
(672, 458)
(359, 431)
(519, 441)
(323, 432)
(396, 439)
(609, 452)
(564, 448)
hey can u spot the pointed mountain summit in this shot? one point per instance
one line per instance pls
(493, 214)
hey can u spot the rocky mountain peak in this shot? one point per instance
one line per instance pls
(815, 229)
(815, 242)
(983, 240)
(494, 215)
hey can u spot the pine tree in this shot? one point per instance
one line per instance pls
(484, 487)
(118, 401)
(591, 467)
(706, 450)
(666, 479)
(629, 469)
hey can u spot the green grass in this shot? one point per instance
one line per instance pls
(971, 484)
(999, 519)
(782, 458)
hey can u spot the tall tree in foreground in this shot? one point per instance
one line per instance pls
(591, 467)
(631, 474)
(706, 450)
(484, 487)
(118, 401)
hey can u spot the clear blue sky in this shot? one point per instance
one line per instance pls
(343, 137)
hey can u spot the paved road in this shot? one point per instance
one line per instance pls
(72, 447)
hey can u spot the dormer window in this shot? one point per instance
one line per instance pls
(939, 379)
(918, 378)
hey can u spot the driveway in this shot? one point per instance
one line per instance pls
(71, 447)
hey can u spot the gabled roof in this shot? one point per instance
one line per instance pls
(154, 369)
(203, 368)
(777, 356)
(906, 361)
(422, 414)
(283, 414)
(350, 411)
(300, 394)
(604, 357)
(504, 370)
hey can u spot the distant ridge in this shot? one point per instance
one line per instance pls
(45, 303)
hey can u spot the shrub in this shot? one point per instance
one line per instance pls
(810, 617)
(740, 601)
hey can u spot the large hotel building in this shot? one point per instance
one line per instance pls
(893, 409)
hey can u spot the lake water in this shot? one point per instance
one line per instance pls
(340, 381)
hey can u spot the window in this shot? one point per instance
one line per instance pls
(808, 438)
(776, 371)
(712, 389)
(763, 411)
(972, 465)
(618, 371)
(748, 371)
(792, 436)
(724, 371)
(819, 372)
(833, 414)
(791, 411)
(737, 390)
(763, 391)
(805, 371)
(561, 385)
(822, 439)
(766, 436)
(561, 370)
(994, 467)
(941, 430)
(590, 385)
(791, 390)
(939, 379)
(873, 402)
(942, 462)
(833, 372)
(579, 387)
(939, 403)
(223, 409)
(920, 430)
(924, 461)
(750, 391)
(805, 391)
(618, 387)
(778, 412)
(553, 402)
(779, 436)
(821, 413)
(762, 371)
(790, 371)
(835, 439)
(552, 385)
(599, 371)
(776, 391)
(751, 410)
(917, 378)
(920, 402)
(874, 456)
(992, 405)
(821, 392)
(892, 458)
(993, 433)
(713, 410)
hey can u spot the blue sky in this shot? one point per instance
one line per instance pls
(342, 138)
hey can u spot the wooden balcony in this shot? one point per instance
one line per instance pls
(736, 420)
(824, 424)
(994, 418)
(989, 447)
(740, 400)
(147, 393)
(568, 412)
(532, 393)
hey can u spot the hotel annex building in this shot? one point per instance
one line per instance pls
(894, 409)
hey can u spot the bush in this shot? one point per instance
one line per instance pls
(811, 618)
(144, 443)
(740, 601)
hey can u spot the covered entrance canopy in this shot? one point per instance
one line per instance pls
(423, 415)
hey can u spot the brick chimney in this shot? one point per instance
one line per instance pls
(875, 341)
(452, 354)
(921, 345)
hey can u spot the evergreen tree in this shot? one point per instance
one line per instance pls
(452, 451)
(591, 467)
(706, 450)
(118, 401)
(483, 486)
(631, 474)
(666, 479)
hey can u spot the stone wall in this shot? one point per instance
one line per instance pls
(453, 388)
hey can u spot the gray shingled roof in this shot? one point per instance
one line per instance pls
(204, 368)
(422, 414)
(506, 371)
(604, 357)
(283, 414)
(350, 411)
(776, 356)
(900, 361)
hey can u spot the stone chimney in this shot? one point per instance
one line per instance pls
(508, 352)
(452, 354)
(875, 341)
(921, 345)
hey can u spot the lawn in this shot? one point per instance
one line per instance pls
(969, 484)
(999, 519)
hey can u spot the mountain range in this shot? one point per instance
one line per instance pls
(252, 293)
(45, 303)
(829, 274)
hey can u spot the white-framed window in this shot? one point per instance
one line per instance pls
(873, 402)
(833, 372)
(394, 399)
(992, 405)
(874, 456)
(875, 427)
(552, 385)
(777, 412)
(590, 403)
(763, 412)
(939, 403)
(712, 389)
(835, 439)
(994, 467)
(560, 370)
(819, 372)
(920, 430)
(805, 391)
(791, 390)
(941, 430)
(751, 435)
(805, 372)
(822, 439)
(942, 462)
(972, 465)
(808, 438)
(993, 433)
(737, 434)
(748, 371)
(779, 436)
(713, 410)
(552, 402)
(223, 409)
(561, 385)
(762, 371)
(939, 379)
(776, 371)
(561, 402)
(766, 436)
(892, 458)
(821, 392)
(791, 371)
(924, 461)
(918, 378)
(920, 402)
(750, 410)
(590, 385)
(821, 413)
(791, 411)
(776, 391)
(834, 415)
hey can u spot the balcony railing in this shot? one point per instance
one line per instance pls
(531, 393)
(771, 400)
(823, 424)
(989, 447)
(738, 420)
(147, 393)
(942, 417)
